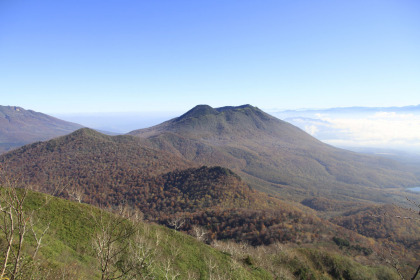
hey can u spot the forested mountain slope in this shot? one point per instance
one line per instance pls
(275, 156)
(110, 171)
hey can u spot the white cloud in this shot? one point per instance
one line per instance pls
(321, 116)
(311, 129)
(379, 129)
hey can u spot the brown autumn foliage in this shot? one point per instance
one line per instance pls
(388, 222)
(108, 171)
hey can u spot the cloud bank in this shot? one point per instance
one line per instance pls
(381, 129)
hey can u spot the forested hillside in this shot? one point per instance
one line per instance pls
(275, 156)
(110, 171)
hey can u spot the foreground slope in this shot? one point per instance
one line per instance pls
(19, 127)
(67, 251)
(273, 155)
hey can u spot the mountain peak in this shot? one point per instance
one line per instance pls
(244, 109)
(198, 111)
(203, 110)
(86, 131)
(233, 108)
(11, 108)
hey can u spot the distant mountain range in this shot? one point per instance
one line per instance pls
(19, 127)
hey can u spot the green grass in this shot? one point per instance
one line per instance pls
(67, 246)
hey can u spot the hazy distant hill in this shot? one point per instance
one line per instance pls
(19, 127)
(274, 155)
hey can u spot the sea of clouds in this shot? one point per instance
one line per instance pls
(379, 128)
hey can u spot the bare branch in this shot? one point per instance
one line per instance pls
(38, 239)
(177, 222)
(76, 193)
(391, 260)
(199, 233)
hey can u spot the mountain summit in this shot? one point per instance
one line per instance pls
(198, 111)
(273, 155)
(202, 110)
(229, 122)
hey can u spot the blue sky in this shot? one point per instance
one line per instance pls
(71, 56)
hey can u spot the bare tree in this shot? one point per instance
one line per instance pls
(76, 193)
(122, 251)
(214, 272)
(387, 255)
(415, 211)
(37, 237)
(11, 208)
(177, 222)
(199, 233)
(110, 244)
(168, 270)
(415, 215)
(140, 257)
(14, 224)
